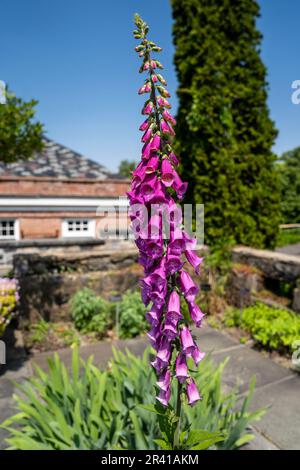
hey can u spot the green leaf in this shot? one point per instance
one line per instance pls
(164, 445)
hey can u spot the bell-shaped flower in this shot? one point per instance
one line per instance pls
(167, 173)
(196, 313)
(198, 355)
(187, 341)
(181, 368)
(192, 392)
(164, 397)
(194, 260)
(187, 285)
(173, 310)
(164, 380)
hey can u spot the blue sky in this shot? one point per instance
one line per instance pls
(76, 57)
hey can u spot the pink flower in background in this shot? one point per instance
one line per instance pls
(167, 284)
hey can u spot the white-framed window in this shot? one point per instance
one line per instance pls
(78, 228)
(9, 229)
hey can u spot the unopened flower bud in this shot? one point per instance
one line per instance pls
(161, 79)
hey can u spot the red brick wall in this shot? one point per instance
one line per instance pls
(29, 186)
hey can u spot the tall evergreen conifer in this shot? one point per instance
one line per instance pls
(225, 134)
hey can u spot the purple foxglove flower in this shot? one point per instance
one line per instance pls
(146, 88)
(146, 262)
(167, 173)
(190, 242)
(155, 227)
(163, 102)
(179, 186)
(177, 243)
(165, 128)
(168, 117)
(160, 239)
(158, 365)
(134, 198)
(164, 380)
(147, 136)
(159, 196)
(139, 175)
(164, 351)
(164, 397)
(181, 368)
(193, 259)
(154, 315)
(173, 159)
(149, 185)
(155, 336)
(155, 143)
(198, 355)
(173, 312)
(188, 287)
(192, 392)
(173, 264)
(141, 90)
(196, 314)
(144, 126)
(152, 164)
(170, 329)
(146, 151)
(145, 295)
(148, 108)
(187, 341)
(157, 279)
(155, 249)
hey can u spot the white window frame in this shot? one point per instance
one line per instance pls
(16, 235)
(89, 233)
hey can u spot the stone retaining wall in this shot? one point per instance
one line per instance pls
(254, 267)
(48, 282)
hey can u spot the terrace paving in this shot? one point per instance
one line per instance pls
(276, 387)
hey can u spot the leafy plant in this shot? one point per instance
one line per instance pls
(90, 313)
(43, 333)
(273, 328)
(132, 315)
(91, 409)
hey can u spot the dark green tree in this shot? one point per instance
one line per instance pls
(126, 167)
(224, 131)
(289, 168)
(20, 135)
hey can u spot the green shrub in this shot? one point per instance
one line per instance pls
(132, 315)
(274, 328)
(90, 409)
(90, 313)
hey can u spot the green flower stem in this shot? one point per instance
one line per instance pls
(178, 415)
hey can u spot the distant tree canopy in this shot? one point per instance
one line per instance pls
(126, 167)
(290, 185)
(20, 136)
(224, 131)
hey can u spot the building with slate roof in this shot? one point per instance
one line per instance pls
(58, 193)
